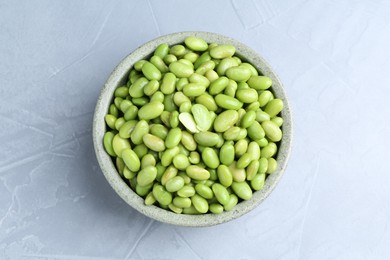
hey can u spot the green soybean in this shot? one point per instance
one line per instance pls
(181, 161)
(159, 130)
(257, 183)
(185, 107)
(263, 165)
(227, 102)
(259, 82)
(242, 190)
(197, 173)
(272, 165)
(131, 113)
(195, 43)
(211, 75)
(272, 131)
(225, 176)
(174, 184)
(207, 101)
(239, 73)
(150, 199)
(219, 85)
(141, 150)
(269, 150)
(191, 56)
(248, 119)
(216, 208)
(169, 58)
(254, 150)
(182, 202)
(107, 143)
(253, 106)
(239, 175)
(148, 160)
(252, 169)
(119, 144)
(113, 110)
(226, 64)
(173, 137)
(265, 97)
(188, 141)
(153, 142)
(250, 67)
(174, 119)
(168, 155)
(225, 120)
(110, 120)
(140, 129)
(162, 195)
(210, 158)
(274, 107)
(169, 173)
(221, 193)
(157, 96)
(277, 121)
(193, 89)
(206, 66)
(177, 50)
(168, 83)
(131, 160)
(150, 71)
(204, 191)
(188, 121)
(256, 131)
(202, 117)
(202, 59)
(147, 175)
(247, 95)
(186, 192)
(151, 110)
(262, 116)
(244, 161)
(120, 165)
(162, 50)
(151, 87)
(222, 51)
(206, 138)
(226, 154)
(159, 64)
(136, 90)
(232, 202)
(179, 98)
(140, 101)
(121, 92)
(200, 79)
(142, 190)
(180, 70)
(200, 203)
(241, 147)
(232, 133)
(194, 158)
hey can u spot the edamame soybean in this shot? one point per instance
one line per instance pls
(205, 126)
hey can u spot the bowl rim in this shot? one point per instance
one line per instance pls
(107, 166)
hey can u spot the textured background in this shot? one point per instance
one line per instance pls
(334, 60)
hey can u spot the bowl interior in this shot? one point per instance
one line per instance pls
(119, 77)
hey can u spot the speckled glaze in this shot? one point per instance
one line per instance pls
(119, 77)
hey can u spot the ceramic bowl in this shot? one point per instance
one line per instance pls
(119, 77)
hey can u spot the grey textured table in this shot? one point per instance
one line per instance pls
(334, 60)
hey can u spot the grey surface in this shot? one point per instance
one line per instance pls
(119, 77)
(333, 201)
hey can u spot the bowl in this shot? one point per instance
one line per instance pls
(118, 78)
